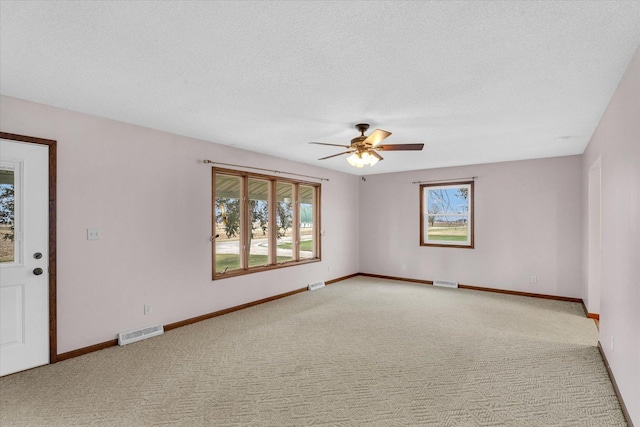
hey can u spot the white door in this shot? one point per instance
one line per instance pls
(24, 256)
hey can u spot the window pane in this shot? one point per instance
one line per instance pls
(447, 214)
(259, 222)
(448, 201)
(227, 211)
(449, 228)
(307, 227)
(7, 211)
(284, 219)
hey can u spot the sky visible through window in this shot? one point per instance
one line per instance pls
(441, 202)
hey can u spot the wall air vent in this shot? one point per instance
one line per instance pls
(445, 284)
(314, 286)
(139, 334)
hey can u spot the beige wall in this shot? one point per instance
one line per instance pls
(616, 144)
(528, 218)
(150, 194)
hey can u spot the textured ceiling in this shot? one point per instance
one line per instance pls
(475, 81)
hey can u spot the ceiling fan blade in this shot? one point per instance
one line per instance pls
(376, 137)
(332, 145)
(400, 147)
(334, 155)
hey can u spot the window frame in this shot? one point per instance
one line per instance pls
(245, 228)
(425, 222)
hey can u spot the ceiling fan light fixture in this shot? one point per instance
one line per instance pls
(355, 160)
(360, 160)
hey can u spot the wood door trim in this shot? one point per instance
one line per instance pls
(53, 323)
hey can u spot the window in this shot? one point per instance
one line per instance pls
(258, 210)
(284, 221)
(262, 222)
(307, 222)
(446, 214)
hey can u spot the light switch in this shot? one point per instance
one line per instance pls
(94, 233)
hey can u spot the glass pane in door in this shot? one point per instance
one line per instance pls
(7, 216)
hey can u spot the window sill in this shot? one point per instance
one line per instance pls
(258, 269)
(444, 245)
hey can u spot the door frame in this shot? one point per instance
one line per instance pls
(53, 329)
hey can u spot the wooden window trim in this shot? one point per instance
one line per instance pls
(295, 229)
(471, 214)
(244, 223)
(273, 244)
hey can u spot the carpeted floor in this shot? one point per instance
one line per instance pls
(359, 352)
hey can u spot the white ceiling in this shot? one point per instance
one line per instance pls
(476, 82)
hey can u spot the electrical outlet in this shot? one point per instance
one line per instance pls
(613, 343)
(534, 279)
(147, 309)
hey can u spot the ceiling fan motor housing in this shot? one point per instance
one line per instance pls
(357, 141)
(362, 127)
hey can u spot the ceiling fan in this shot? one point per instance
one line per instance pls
(363, 149)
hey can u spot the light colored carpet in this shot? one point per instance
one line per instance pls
(359, 352)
